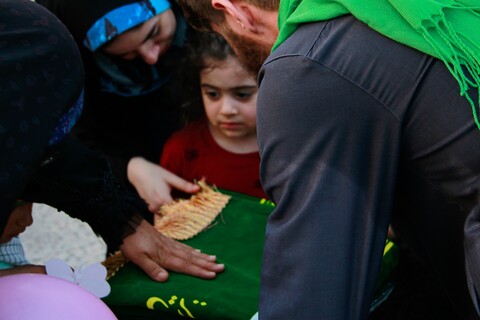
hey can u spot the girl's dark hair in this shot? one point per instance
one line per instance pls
(203, 50)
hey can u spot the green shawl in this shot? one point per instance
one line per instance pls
(446, 29)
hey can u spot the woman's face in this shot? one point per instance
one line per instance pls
(149, 41)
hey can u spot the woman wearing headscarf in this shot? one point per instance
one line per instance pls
(41, 97)
(129, 110)
(129, 50)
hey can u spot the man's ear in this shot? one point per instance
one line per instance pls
(239, 13)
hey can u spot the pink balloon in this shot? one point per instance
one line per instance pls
(43, 297)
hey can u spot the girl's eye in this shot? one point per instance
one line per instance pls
(243, 95)
(211, 94)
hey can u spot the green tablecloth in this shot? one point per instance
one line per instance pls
(236, 237)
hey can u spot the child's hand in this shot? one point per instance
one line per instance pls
(154, 184)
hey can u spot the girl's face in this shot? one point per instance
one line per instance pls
(229, 95)
(148, 41)
(19, 220)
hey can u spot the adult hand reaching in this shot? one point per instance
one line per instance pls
(154, 184)
(155, 254)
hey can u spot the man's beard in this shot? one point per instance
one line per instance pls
(250, 53)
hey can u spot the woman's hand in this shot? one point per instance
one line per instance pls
(155, 254)
(154, 184)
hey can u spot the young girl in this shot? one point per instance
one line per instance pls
(219, 142)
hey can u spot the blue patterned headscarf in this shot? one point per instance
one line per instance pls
(122, 19)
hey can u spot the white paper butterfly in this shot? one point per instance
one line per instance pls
(91, 277)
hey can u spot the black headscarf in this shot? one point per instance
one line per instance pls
(41, 77)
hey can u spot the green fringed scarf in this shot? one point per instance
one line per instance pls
(446, 29)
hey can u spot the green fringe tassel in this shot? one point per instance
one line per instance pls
(459, 58)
